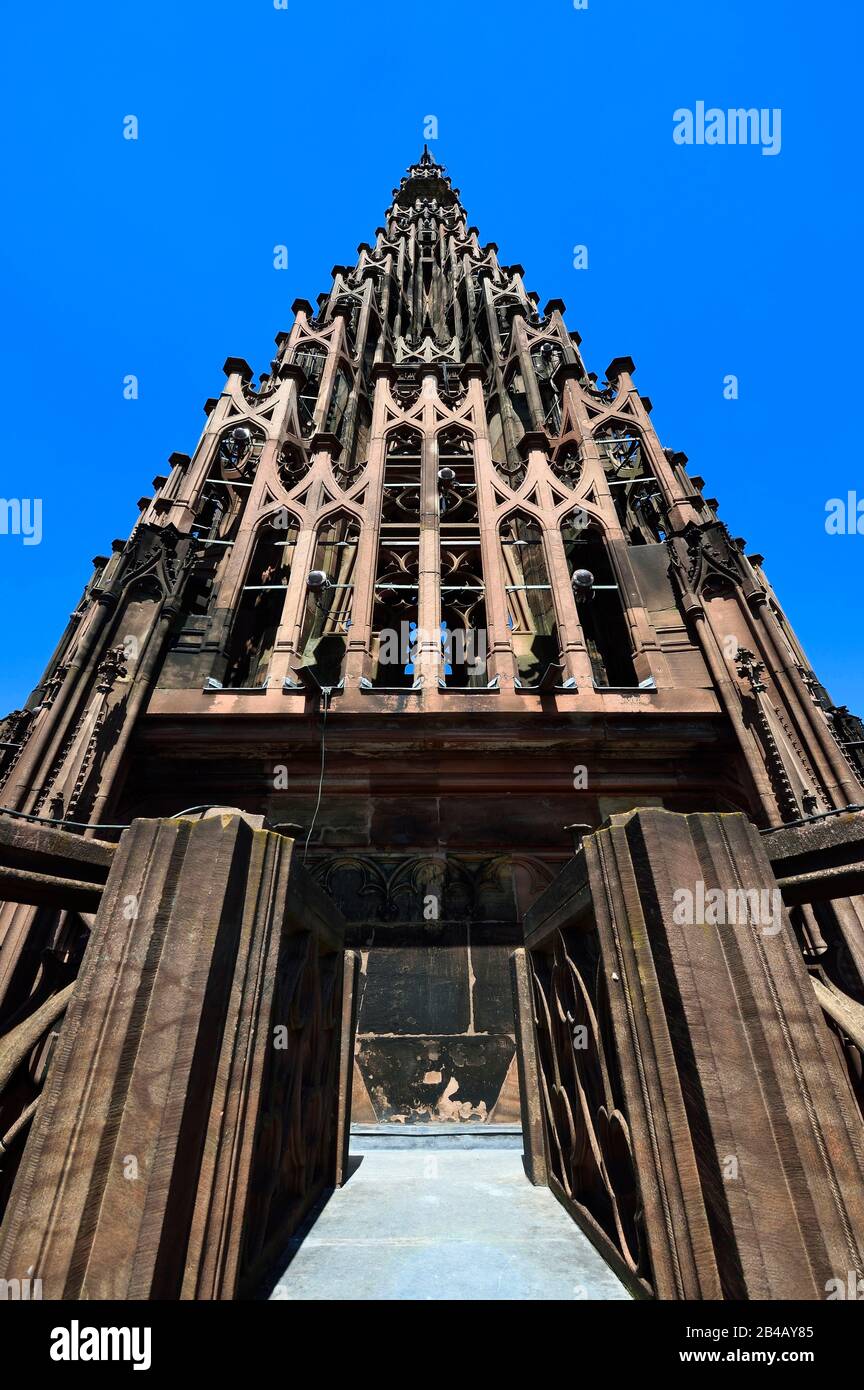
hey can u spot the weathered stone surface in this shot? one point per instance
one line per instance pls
(421, 1078)
(190, 1115)
(50, 850)
(530, 1082)
(746, 1140)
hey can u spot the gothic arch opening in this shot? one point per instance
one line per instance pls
(262, 601)
(395, 612)
(518, 397)
(601, 609)
(311, 359)
(221, 504)
(567, 463)
(337, 410)
(546, 358)
(634, 488)
(463, 591)
(327, 619)
(530, 605)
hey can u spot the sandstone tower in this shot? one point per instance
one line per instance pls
(435, 603)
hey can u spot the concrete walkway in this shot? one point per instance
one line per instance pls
(429, 1223)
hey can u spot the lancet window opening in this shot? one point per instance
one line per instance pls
(635, 490)
(481, 326)
(601, 608)
(463, 591)
(311, 359)
(396, 602)
(221, 504)
(262, 601)
(504, 307)
(329, 605)
(230, 475)
(335, 418)
(531, 615)
(373, 335)
(546, 358)
(519, 398)
(353, 459)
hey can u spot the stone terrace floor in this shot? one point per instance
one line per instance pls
(431, 1216)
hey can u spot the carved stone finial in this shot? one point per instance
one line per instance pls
(750, 669)
(111, 668)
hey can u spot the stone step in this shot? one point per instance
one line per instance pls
(389, 1137)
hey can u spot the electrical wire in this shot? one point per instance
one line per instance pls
(326, 691)
(49, 820)
(808, 820)
(81, 825)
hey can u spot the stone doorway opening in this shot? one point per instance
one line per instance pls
(435, 1026)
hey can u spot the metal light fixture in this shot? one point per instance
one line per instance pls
(583, 585)
(235, 444)
(317, 581)
(446, 479)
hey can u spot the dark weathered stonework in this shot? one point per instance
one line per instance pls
(191, 1116)
(703, 1129)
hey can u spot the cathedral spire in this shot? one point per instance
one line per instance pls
(426, 179)
(438, 606)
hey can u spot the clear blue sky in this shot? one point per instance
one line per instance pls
(261, 126)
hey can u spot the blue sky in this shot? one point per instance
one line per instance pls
(261, 126)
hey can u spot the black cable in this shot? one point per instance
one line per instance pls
(81, 825)
(325, 691)
(808, 820)
(49, 820)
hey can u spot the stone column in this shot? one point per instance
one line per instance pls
(718, 1032)
(190, 1117)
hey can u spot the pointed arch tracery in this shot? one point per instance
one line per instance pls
(635, 490)
(221, 505)
(395, 612)
(463, 588)
(567, 463)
